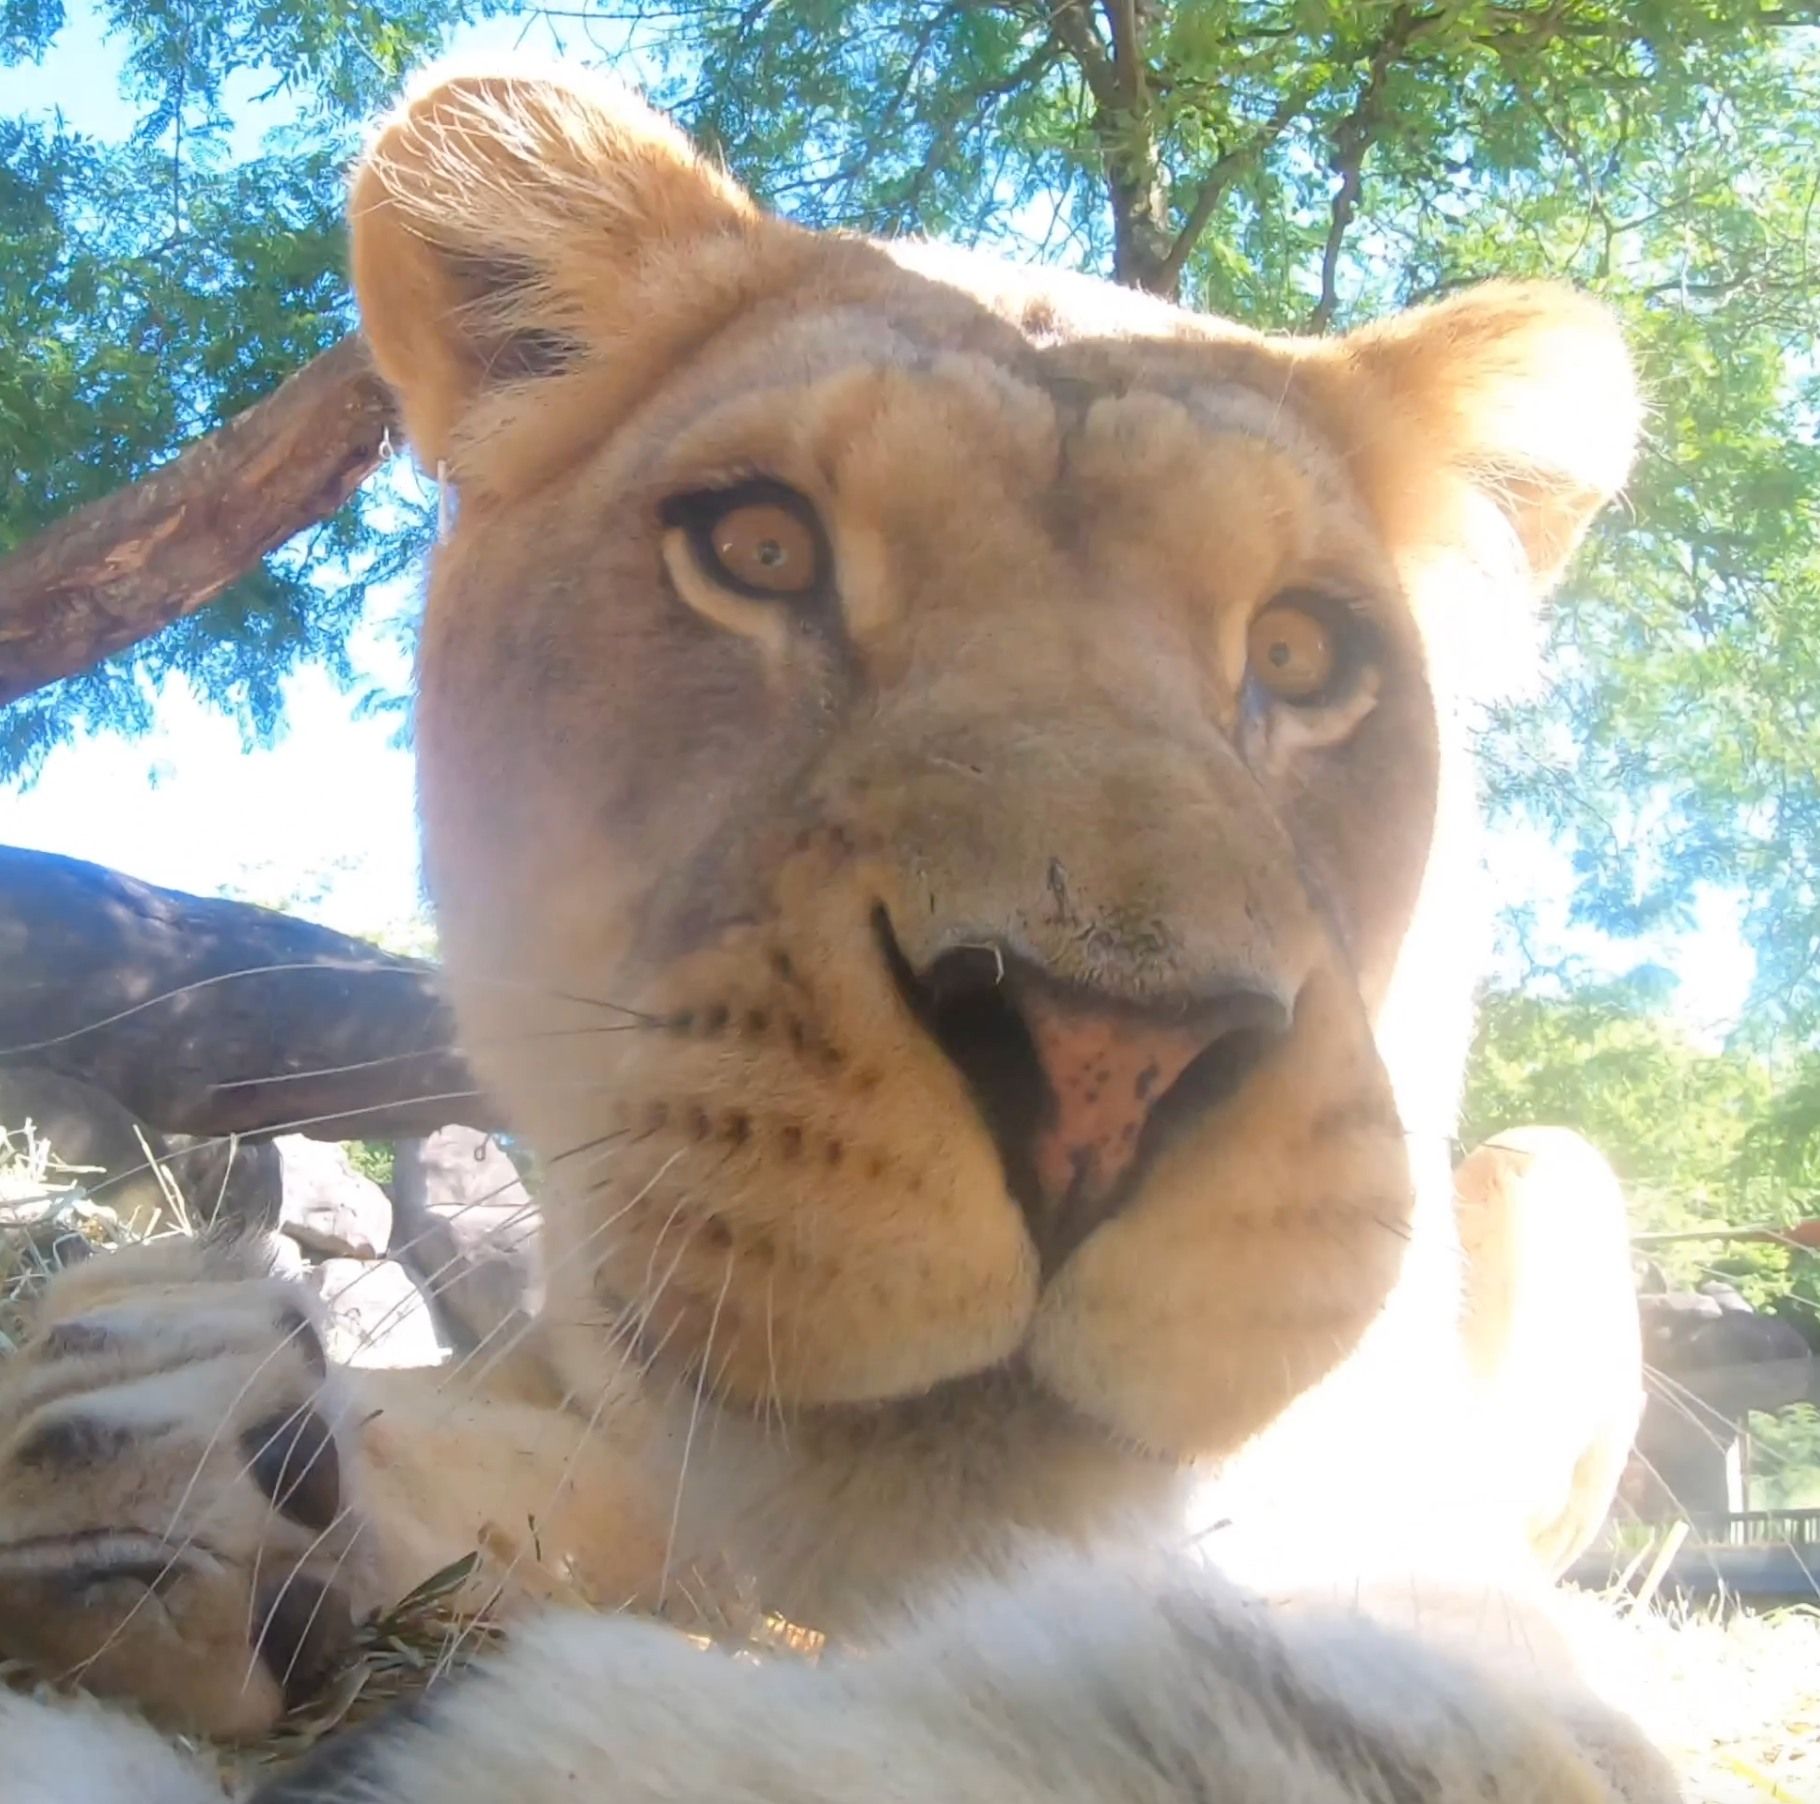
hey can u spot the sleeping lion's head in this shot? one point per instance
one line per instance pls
(929, 771)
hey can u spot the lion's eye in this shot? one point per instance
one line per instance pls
(763, 546)
(1293, 654)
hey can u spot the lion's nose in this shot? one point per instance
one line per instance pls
(1076, 1083)
(1109, 1069)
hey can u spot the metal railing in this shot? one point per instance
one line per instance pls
(1758, 1528)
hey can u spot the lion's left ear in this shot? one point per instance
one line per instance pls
(1523, 388)
(505, 226)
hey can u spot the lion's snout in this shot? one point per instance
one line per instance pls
(1080, 1084)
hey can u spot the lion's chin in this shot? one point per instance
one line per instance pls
(1007, 1402)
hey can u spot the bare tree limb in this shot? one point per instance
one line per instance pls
(209, 1017)
(1353, 138)
(1074, 26)
(1124, 128)
(117, 570)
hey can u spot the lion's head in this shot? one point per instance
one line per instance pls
(928, 771)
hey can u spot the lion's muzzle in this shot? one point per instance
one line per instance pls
(1080, 1084)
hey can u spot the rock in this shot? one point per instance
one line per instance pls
(467, 1226)
(1687, 1332)
(377, 1314)
(1728, 1296)
(329, 1208)
(104, 1143)
(284, 1257)
(228, 1179)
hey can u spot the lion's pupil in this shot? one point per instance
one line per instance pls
(1280, 654)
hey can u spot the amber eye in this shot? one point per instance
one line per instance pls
(763, 545)
(1293, 653)
(760, 542)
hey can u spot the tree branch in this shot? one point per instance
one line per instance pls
(976, 104)
(1128, 55)
(117, 570)
(888, 114)
(1353, 138)
(1072, 24)
(1123, 128)
(205, 1016)
(1225, 169)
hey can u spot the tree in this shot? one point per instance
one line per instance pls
(1294, 164)
(1299, 166)
(153, 288)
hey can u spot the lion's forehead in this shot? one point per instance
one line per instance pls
(885, 376)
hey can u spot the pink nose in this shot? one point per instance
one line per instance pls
(1106, 1071)
(1068, 1077)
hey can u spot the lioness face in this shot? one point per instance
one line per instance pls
(927, 774)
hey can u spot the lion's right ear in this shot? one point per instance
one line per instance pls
(503, 227)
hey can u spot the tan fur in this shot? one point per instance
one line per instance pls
(1551, 1328)
(671, 831)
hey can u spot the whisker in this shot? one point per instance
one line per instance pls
(773, 1390)
(429, 1282)
(682, 1476)
(211, 1141)
(447, 1048)
(1688, 1404)
(322, 1596)
(588, 1146)
(526, 1327)
(179, 1547)
(453, 1648)
(464, 1370)
(425, 1284)
(339, 966)
(376, 966)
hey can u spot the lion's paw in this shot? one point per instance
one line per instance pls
(176, 1473)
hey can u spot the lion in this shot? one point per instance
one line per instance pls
(945, 803)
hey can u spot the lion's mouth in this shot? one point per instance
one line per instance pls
(969, 1012)
(1078, 1136)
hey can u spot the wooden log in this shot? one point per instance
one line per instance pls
(213, 1017)
(114, 572)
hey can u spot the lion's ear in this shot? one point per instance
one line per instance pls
(500, 225)
(1524, 389)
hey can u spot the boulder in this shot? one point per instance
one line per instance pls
(466, 1225)
(1690, 1332)
(284, 1257)
(331, 1210)
(227, 1179)
(378, 1316)
(103, 1144)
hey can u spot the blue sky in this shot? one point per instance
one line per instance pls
(322, 821)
